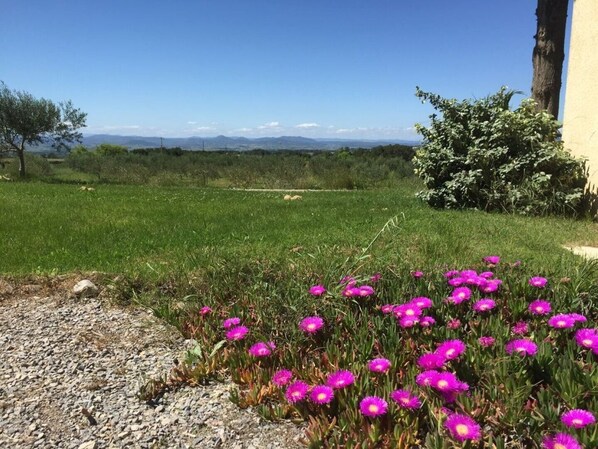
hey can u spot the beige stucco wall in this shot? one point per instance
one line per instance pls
(580, 118)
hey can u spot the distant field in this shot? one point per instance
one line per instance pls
(158, 231)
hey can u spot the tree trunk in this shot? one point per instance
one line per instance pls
(549, 54)
(21, 155)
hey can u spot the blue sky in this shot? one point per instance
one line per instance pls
(316, 68)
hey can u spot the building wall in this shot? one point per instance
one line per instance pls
(580, 118)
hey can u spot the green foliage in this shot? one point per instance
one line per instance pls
(108, 149)
(37, 168)
(480, 154)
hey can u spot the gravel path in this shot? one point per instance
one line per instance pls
(70, 370)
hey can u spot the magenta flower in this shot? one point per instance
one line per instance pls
(486, 341)
(321, 394)
(405, 399)
(282, 377)
(427, 321)
(349, 281)
(379, 365)
(351, 292)
(451, 349)
(261, 349)
(205, 310)
(453, 324)
(587, 338)
(456, 281)
(462, 427)
(230, 322)
(366, 290)
(311, 324)
(424, 379)
(387, 308)
(317, 290)
(493, 260)
(373, 406)
(296, 391)
(489, 285)
(539, 307)
(561, 321)
(376, 277)
(561, 441)
(578, 318)
(417, 274)
(408, 310)
(520, 328)
(237, 333)
(538, 282)
(445, 382)
(340, 379)
(521, 347)
(422, 302)
(431, 361)
(484, 305)
(486, 274)
(406, 322)
(578, 418)
(459, 295)
(451, 274)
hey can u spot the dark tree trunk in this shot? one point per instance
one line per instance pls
(549, 54)
(21, 155)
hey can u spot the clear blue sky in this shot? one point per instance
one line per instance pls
(316, 68)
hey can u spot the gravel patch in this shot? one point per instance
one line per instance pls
(70, 370)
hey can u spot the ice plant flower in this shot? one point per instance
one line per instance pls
(366, 290)
(561, 321)
(409, 310)
(373, 406)
(296, 391)
(578, 318)
(489, 285)
(484, 305)
(578, 418)
(431, 361)
(311, 324)
(417, 274)
(321, 394)
(493, 260)
(261, 349)
(282, 377)
(561, 441)
(521, 347)
(205, 310)
(451, 274)
(407, 321)
(538, 282)
(453, 324)
(587, 338)
(379, 365)
(520, 328)
(350, 292)
(422, 302)
(457, 281)
(486, 341)
(459, 295)
(340, 379)
(387, 308)
(445, 382)
(427, 321)
(424, 379)
(462, 427)
(539, 307)
(486, 274)
(405, 399)
(451, 349)
(376, 277)
(237, 333)
(317, 290)
(230, 322)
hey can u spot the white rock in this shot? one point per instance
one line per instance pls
(89, 445)
(85, 288)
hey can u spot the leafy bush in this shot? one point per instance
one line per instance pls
(37, 167)
(480, 154)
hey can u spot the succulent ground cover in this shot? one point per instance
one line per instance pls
(489, 355)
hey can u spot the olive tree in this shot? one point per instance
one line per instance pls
(26, 120)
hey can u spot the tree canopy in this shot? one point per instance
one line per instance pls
(26, 120)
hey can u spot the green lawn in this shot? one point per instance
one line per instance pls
(52, 228)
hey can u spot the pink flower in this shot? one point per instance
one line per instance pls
(578, 418)
(379, 365)
(237, 333)
(317, 290)
(457, 281)
(376, 277)
(561, 441)
(484, 305)
(373, 406)
(487, 274)
(520, 328)
(561, 321)
(321, 394)
(408, 310)
(431, 361)
(205, 310)
(451, 349)
(538, 282)
(406, 322)
(296, 391)
(340, 379)
(366, 290)
(489, 285)
(587, 338)
(311, 324)
(486, 341)
(405, 399)
(422, 302)
(427, 321)
(417, 274)
(459, 295)
(424, 379)
(387, 308)
(539, 307)
(578, 318)
(282, 377)
(462, 427)
(350, 292)
(445, 382)
(230, 322)
(261, 349)
(451, 274)
(521, 347)
(493, 260)
(453, 324)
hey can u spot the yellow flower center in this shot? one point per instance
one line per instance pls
(442, 383)
(450, 352)
(577, 421)
(409, 312)
(559, 446)
(311, 326)
(321, 396)
(373, 408)
(296, 394)
(587, 342)
(462, 430)
(561, 323)
(405, 400)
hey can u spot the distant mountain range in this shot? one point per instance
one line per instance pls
(236, 143)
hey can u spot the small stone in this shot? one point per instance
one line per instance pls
(85, 288)
(88, 445)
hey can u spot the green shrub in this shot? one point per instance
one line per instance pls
(37, 167)
(480, 154)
